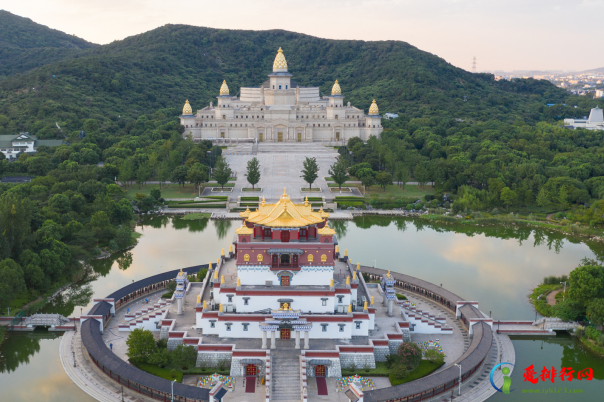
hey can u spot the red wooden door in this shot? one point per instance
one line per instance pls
(250, 369)
(285, 280)
(295, 260)
(285, 333)
(275, 260)
(320, 371)
(285, 236)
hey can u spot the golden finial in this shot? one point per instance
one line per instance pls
(238, 282)
(306, 201)
(205, 304)
(222, 279)
(373, 109)
(263, 201)
(337, 248)
(222, 253)
(220, 308)
(180, 271)
(345, 252)
(280, 65)
(388, 274)
(372, 300)
(284, 192)
(217, 262)
(354, 275)
(216, 274)
(348, 280)
(365, 306)
(224, 88)
(350, 308)
(210, 266)
(198, 299)
(358, 266)
(336, 90)
(186, 109)
(231, 248)
(331, 283)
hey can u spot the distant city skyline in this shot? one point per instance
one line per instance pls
(506, 35)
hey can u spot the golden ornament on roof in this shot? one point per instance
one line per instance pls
(285, 213)
(186, 109)
(224, 88)
(336, 90)
(280, 65)
(373, 109)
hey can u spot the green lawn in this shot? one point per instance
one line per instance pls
(381, 370)
(164, 373)
(171, 190)
(196, 216)
(396, 191)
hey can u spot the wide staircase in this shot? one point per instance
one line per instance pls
(285, 373)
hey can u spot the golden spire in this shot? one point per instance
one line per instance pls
(238, 282)
(205, 304)
(222, 279)
(186, 109)
(216, 274)
(358, 266)
(306, 201)
(345, 252)
(354, 275)
(284, 192)
(224, 88)
(348, 280)
(331, 283)
(209, 266)
(373, 109)
(350, 308)
(263, 201)
(198, 299)
(336, 90)
(372, 300)
(231, 248)
(365, 306)
(280, 65)
(220, 308)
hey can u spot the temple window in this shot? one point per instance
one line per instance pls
(228, 327)
(324, 302)
(223, 117)
(273, 87)
(340, 325)
(286, 87)
(279, 86)
(340, 299)
(358, 324)
(212, 324)
(245, 326)
(324, 327)
(246, 301)
(336, 117)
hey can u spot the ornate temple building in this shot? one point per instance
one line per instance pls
(281, 281)
(281, 111)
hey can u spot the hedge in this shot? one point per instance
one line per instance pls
(250, 198)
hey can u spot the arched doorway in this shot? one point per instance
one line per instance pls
(251, 370)
(320, 371)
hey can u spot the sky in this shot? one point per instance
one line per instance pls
(503, 35)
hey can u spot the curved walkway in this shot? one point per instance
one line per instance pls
(551, 297)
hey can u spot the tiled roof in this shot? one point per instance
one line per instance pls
(286, 214)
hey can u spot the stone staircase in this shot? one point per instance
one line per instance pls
(285, 372)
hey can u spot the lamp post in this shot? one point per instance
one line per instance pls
(173, 390)
(564, 289)
(122, 393)
(74, 361)
(459, 389)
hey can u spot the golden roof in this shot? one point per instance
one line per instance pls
(224, 88)
(280, 65)
(326, 231)
(336, 90)
(373, 109)
(186, 109)
(286, 214)
(244, 230)
(322, 213)
(245, 213)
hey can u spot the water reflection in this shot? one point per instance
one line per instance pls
(222, 228)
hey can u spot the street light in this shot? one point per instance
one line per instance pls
(564, 289)
(459, 389)
(173, 390)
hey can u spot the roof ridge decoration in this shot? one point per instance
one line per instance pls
(245, 213)
(285, 214)
(280, 64)
(224, 88)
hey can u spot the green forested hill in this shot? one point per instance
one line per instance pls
(161, 68)
(25, 45)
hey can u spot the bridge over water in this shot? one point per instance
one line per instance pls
(54, 322)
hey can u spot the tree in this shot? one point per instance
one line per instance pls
(141, 345)
(160, 358)
(179, 175)
(253, 171)
(542, 198)
(586, 283)
(508, 197)
(310, 171)
(155, 193)
(595, 311)
(568, 310)
(383, 179)
(338, 172)
(410, 355)
(434, 356)
(12, 281)
(367, 176)
(402, 174)
(182, 356)
(421, 174)
(198, 174)
(222, 172)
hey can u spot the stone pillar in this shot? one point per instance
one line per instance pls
(306, 342)
(263, 339)
(390, 304)
(273, 346)
(179, 303)
(297, 340)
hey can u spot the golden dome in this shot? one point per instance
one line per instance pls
(373, 109)
(286, 214)
(336, 90)
(224, 88)
(186, 109)
(279, 65)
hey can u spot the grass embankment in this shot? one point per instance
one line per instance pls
(170, 373)
(381, 370)
(2, 334)
(410, 190)
(591, 345)
(540, 304)
(171, 190)
(196, 216)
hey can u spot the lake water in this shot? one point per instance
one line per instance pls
(497, 266)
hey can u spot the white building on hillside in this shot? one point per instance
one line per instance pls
(594, 122)
(281, 111)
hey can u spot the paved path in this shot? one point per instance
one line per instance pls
(551, 297)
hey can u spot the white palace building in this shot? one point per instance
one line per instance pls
(281, 111)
